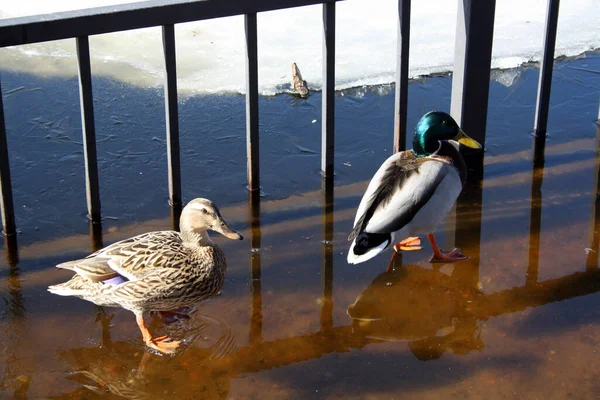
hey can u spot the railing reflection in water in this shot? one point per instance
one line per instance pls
(17, 306)
(327, 244)
(444, 315)
(103, 315)
(535, 218)
(15, 315)
(593, 249)
(255, 272)
(467, 231)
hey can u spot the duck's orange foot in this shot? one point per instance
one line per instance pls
(451, 256)
(163, 344)
(409, 244)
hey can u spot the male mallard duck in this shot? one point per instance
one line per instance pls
(155, 271)
(412, 191)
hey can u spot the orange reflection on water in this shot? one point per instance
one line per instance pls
(294, 321)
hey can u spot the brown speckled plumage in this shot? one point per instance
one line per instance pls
(163, 270)
(164, 273)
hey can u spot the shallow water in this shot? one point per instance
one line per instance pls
(518, 319)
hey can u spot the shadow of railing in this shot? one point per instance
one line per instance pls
(444, 314)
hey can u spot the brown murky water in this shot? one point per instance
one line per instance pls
(520, 318)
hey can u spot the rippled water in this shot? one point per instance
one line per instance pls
(520, 318)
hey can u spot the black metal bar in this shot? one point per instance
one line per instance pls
(96, 242)
(472, 60)
(328, 100)
(6, 197)
(175, 214)
(172, 115)
(254, 217)
(539, 150)
(93, 21)
(401, 107)
(89, 129)
(545, 82)
(252, 144)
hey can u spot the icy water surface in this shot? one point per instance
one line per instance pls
(520, 318)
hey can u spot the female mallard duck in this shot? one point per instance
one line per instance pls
(412, 191)
(155, 271)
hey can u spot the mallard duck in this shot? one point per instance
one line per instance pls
(155, 271)
(412, 191)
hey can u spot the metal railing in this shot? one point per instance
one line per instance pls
(470, 86)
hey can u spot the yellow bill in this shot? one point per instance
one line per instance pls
(465, 140)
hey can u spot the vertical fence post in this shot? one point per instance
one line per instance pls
(328, 101)
(252, 145)
(472, 60)
(6, 197)
(89, 129)
(545, 80)
(96, 242)
(403, 44)
(470, 90)
(172, 116)
(253, 166)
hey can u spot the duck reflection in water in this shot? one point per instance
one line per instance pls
(125, 370)
(427, 308)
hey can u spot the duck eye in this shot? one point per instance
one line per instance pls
(204, 211)
(444, 122)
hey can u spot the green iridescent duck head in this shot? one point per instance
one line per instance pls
(435, 126)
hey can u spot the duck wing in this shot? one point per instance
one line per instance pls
(133, 258)
(399, 188)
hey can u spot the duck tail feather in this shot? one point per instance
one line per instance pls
(366, 246)
(73, 287)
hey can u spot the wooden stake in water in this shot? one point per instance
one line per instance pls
(298, 83)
